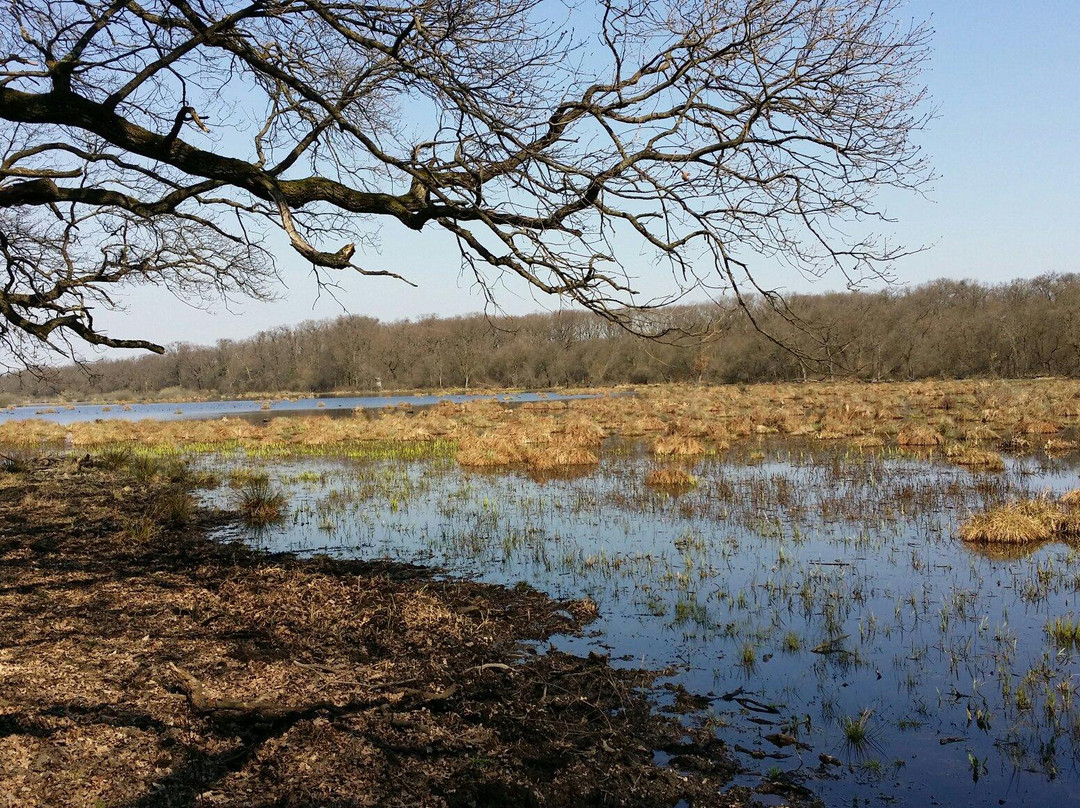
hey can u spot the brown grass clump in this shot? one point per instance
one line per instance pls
(533, 444)
(975, 458)
(980, 433)
(259, 502)
(558, 456)
(30, 433)
(1069, 525)
(642, 426)
(670, 477)
(1016, 442)
(916, 435)
(1058, 446)
(781, 421)
(1071, 499)
(838, 430)
(740, 426)
(1041, 427)
(720, 438)
(1034, 520)
(488, 451)
(677, 445)
(583, 431)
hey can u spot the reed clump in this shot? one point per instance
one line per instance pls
(1030, 521)
(259, 503)
(582, 431)
(975, 458)
(488, 451)
(174, 507)
(1058, 446)
(1071, 499)
(539, 449)
(678, 446)
(917, 435)
(670, 477)
(1040, 427)
(1064, 631)
(559, 456)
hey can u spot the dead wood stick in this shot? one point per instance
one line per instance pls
(487, 666)
(202, 703)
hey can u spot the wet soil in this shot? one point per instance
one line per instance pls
(142, 664)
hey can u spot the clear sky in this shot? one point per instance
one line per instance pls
(1005, 80)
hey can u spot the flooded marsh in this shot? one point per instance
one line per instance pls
(866, 591)
(813, 602)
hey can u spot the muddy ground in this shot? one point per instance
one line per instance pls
(142, 664)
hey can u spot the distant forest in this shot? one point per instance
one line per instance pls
(944, 328)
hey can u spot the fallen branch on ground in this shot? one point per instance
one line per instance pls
(274, 711)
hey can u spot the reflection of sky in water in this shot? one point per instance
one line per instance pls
(834, 551)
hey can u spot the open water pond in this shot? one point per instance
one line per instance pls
(816, 597)
(261, 408)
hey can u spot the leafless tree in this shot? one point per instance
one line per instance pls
(164, 141)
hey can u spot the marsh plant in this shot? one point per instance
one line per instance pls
(1064, 632)
(259, 502)
(174, 507)
(860, 736)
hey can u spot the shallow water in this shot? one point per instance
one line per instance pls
(825, 583)
(262, 408)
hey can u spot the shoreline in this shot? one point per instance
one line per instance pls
(145, 664)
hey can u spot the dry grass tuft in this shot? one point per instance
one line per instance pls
(559, 455)
(975, 458)
(583, 431)
(980, 433)
(1071, 499)
(1058, 446)
(259, 502)
(488, 451)
(916, 435)
(1069, 524)
(670, 477)
(1041, 427)
(1036, 520)
(677, 446)
(642, 426)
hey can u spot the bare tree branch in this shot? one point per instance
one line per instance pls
(708, 136)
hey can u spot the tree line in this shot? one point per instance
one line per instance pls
(945, 328)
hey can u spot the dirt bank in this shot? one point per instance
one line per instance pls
(142, 664)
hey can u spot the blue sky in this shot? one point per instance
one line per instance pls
(1005, 80)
